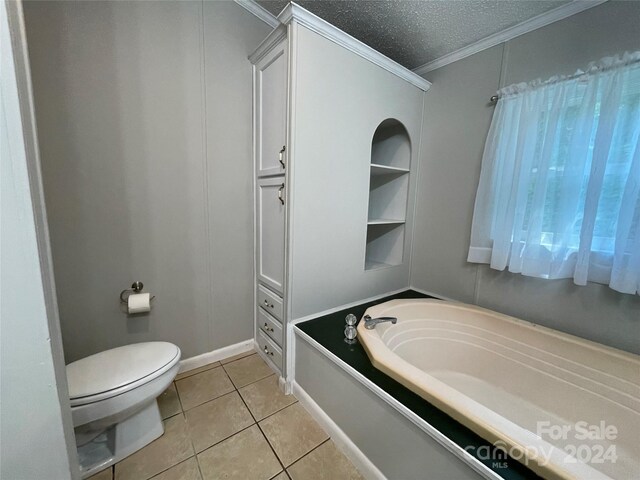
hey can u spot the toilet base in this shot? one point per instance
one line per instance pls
(120, 440)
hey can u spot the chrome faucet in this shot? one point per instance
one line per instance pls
(370, 323)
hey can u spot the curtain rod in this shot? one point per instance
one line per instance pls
(605, 64)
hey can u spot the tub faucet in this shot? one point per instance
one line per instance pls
(370, 323)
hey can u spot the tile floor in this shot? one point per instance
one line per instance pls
(229, 420)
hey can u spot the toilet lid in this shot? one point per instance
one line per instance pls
(118, 367)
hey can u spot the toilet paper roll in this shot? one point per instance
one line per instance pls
(139, 302)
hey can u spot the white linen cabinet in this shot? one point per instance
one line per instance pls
(337, 130)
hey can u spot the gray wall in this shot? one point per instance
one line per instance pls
(36, 431)
(144, 118)
(457, 118)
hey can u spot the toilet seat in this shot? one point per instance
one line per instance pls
(117, 371)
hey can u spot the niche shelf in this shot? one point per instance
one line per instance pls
(388, 195)
(385, 221)
(390, 146)
(386, 170)
(385, 245)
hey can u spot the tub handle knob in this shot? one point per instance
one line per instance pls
(351, 319)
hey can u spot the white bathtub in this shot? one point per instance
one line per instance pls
(517, 385)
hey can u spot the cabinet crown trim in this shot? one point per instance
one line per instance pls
(314, 23)
(268, 43)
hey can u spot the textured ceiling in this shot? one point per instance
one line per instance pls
(415, 32)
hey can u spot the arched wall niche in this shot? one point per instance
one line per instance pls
(388, 195)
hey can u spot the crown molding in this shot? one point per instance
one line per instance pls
(314, 23)
(259, 11)
(539, 21)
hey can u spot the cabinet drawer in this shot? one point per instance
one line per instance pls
(270, 301)
(269, 349)
(270, 326)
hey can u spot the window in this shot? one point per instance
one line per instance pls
(559, 191)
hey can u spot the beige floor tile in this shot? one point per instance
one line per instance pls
(245, 456)
(281, 476)
(237, 357)
(187, 470)
(170, 449)
(216, 420)
(169, 403)
(292, 433)
(247, 370)
(203, 387)
(106, 474)
(204, 368)
(325, 463)
(264, 397)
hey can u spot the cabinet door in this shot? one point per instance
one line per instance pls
(271, 111)
(270, 231)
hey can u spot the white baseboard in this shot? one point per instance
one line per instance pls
(342, 441)
(215, 355)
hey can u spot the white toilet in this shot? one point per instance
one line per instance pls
(114, 404)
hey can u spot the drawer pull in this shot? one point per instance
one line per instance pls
(280, 194)
(266, 350)
(281, 155)
(266, 302)
(267, 327)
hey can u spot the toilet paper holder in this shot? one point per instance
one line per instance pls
(136, 287)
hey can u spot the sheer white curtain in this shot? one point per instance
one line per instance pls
(559, 191)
